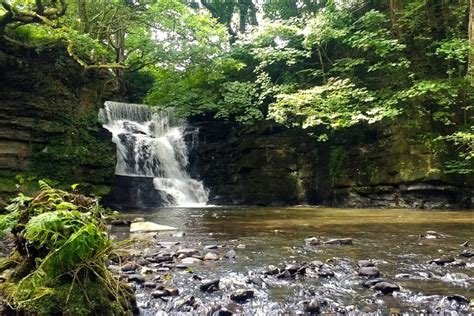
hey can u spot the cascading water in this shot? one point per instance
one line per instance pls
(151, 144)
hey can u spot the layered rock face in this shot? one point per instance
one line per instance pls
(40, 94)
(270, 165)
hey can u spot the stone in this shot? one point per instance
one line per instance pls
(190, 261)
(371, 272)
(150, 285)
(365, 263)
(149, 227)
(442, 261)
(230, 254)
(136, 278)
(312, 241)
(211, 256)
(128, 267)
(312, 307)
(120, 222)
(325, 273)
(158, 293)
(242, 295)
(458, 298)
(241, 246)
(341, 241)
(272, 270)
(386, 287)
(171, 291)
(467, 254)
(210, 247)
(465, 244)
(187, 252)
(231, 309)
(255, 280)
(209, 285)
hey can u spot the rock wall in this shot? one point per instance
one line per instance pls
(43, 94)
(385, 166)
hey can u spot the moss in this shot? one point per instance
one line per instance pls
(7, 185)
(338, 161)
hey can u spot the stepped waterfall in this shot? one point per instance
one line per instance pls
(151, 143)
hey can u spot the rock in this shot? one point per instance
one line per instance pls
(431, 234)
(342, 241)
(458, 298)
(211, 256)
(241, 295)
(168, 244)
(150, 285)
(187, 252)
(210, 247)
(158, 293)
(136, 278)
(316, 264)
(171, 292)
(465, 244)
(365, 263)
(272, 270)
(291, 268)
(128, 267)
(179, 235)
(442, 261)
(143, 262)
(209, 285)
(312, 241)
(138, 220)
(312, 307)
(241, 246)
(149, 227)
(371, 272)
(255, 280)
(230, 254)
(386, 287)
(231, 309)
(372, 282)
(467, 254)
(181, 266)
(190, 261)
(325, 273)
(120, 222)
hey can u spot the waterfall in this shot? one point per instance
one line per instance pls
(152, 144)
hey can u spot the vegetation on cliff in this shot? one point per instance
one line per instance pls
(58, 263)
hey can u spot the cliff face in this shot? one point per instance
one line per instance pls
(385, 166)
(42, 97)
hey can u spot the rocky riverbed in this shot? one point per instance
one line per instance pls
(266, 261)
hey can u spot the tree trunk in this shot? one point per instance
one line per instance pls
(470, 68)
(395, 7)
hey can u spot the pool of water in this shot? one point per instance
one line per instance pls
(395, 240)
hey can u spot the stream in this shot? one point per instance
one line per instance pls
(427, 254)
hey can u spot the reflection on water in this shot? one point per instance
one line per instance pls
(390, 237)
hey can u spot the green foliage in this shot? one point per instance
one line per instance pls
(63, 249)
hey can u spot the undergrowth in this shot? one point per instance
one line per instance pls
(58, 264)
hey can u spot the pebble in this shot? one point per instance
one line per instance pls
(241, 295)
(342, 241)
(312, 241)
(230, 254)
(211, 256)
(386, 287)
(371, 272)
(209, 285)
(190, 260)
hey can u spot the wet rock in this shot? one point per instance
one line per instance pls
(316, 264)
(230, 254)
(291, 268)
(190, 261)
(241, 246)
(255, 280)
(341, 241)
(187, 252)
(181, 266)
(442, 261)
(128, 267)
(242, 295)
(179, 235)
(150, 285)
(312, 307)
(113, 268)
(371, 272)
(158, 293)
(230, 309)
(458, 298)
(312, 241)
(325, 273)
(185, 302)
(163, 257)
(372, 282)
(136, 278)
(138, 220)
(365, 263)
(402, 276)
(272, 270)
(284, 275)
(143, 262)
(168, 244)
(467, 254)
(120, 222)
(210, 247)
(209, 285)
(386, 287)
(211, 256)
(465, 244)
(431, 234)
(171, 292)
(149, 227)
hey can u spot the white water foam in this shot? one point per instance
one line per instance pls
(151, 144)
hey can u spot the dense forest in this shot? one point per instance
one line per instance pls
(322, 66)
